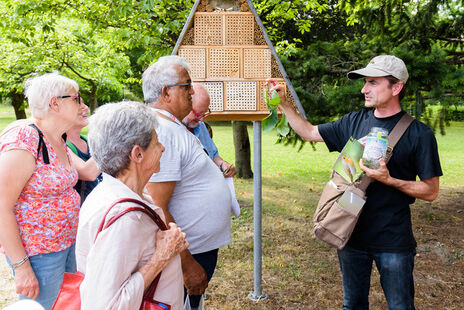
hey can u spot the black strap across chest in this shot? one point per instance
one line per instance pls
(41, 145)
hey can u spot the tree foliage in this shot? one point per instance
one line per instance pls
(346, 34)
(106, 45)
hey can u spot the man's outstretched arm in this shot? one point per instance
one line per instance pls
(302, 127)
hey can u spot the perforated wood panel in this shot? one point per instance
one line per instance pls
(216, 95)
(257, 63)
(229, 55)
(239, 29)
(208, 29)
(224, 63)
(241, 96)
(197, 60)
(261, 104)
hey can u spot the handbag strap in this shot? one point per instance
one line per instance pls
(393, 138)
(146, 209)
(150, 292)
(42, 145)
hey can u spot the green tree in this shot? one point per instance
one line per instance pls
(426, 34)
(21, 55)
(40, 36)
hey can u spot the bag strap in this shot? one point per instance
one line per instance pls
(41, 145)
(397, 133)
(150, 292)
(146, 209)
(393, 138)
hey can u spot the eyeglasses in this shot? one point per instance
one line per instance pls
(77, 97)
(199, 116)
(188, 85)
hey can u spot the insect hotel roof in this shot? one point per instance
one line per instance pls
(231, 55)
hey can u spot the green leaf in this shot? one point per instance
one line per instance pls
(282, 127)
(270, 121)
(275, 99)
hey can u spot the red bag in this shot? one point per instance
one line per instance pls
(69, 296)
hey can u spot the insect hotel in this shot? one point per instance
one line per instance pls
(231, 55)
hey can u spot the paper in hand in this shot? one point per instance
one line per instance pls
(235, 205)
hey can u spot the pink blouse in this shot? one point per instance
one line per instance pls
(47, 209)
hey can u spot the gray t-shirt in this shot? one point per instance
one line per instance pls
(201, 202)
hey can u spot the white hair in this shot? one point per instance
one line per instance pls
(40, 89)
(115, 129)
(160, 74)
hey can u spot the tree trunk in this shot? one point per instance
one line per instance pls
(242, 150)
(93, 99)
(17, 101)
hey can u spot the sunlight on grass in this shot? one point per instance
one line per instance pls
(286, 164)
(451, 150)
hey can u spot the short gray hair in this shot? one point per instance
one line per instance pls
(160, 74)
(115, 129)
(40, 89)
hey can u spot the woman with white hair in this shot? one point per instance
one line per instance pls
(125, 258)
(38, 206)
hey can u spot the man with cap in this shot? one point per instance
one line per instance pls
(383, 232)
(194, 122)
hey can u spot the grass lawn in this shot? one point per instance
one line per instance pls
(300, 272)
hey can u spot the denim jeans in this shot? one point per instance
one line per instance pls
(208, 261)
(49, 270)
(396, 277)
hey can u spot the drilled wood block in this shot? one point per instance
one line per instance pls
(197, 60)
(209, 29)
(257, 63)
(239, 29)
(224, 63)
(258, 35)
(241, 96)
(216, 95)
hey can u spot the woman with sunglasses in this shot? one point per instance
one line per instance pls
(39, 208)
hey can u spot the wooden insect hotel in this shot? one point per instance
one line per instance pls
(231, 55)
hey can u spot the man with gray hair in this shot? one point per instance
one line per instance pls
(189, 187)
(194, 122)
(383, 232)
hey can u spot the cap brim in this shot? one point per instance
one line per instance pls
(357, 74)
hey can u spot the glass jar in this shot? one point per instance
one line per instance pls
(376, 147)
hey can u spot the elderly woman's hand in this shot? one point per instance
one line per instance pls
(170, 243)
(26, 281)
